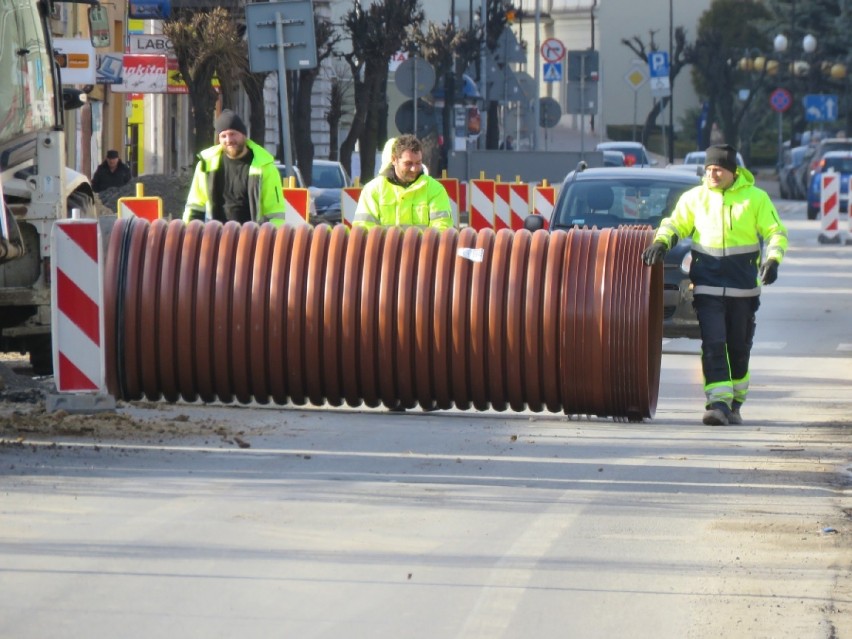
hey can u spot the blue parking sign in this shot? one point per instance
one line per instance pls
(658, 64)
(821, 107)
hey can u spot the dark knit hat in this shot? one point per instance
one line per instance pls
(723, 155)
(230, 120)
(112, 154)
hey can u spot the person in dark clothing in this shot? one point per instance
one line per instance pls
(111, 173)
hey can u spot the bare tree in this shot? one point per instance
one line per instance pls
(377, 32)
(207, 44)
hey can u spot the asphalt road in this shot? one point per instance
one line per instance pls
(189, 521)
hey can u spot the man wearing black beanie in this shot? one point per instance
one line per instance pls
(236, 179)
(726, 216)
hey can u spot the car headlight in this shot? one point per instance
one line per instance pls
(686, 262)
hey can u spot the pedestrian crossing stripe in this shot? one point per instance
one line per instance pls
(552, 71)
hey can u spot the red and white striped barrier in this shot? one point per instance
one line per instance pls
(348, 203)
(77, 306)
(519, 203)
(297, 204)
(481, 204)
(630, 206)
(829, 208)
(147, 207)
(502, 208)
(544, 198)
(451, 185)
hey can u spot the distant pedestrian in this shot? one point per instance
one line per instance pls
(111, 173)
(508, 144)
(236, 179)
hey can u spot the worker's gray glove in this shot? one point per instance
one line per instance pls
(654, 253)
(768, 272)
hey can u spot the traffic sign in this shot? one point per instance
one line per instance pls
(780, 100)
(636, 77)
(820, 108)
(552, 50)
(552, 72)
(658, 64)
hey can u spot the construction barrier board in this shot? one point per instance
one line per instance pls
(519, 204)
(544, 199)
(349, 203)
(502, 209)
(452, 187)
(148, 207)
(296, 206)
(481, 204)
(77, 312)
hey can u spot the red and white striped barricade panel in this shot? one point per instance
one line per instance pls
(830, 205)
(481, 204)
(296, 206)
(452, 187)
(519, 204)
(544, 197)
(348, 203)
(146, 207)
(77, 306)
(502, 210)
(630, 206)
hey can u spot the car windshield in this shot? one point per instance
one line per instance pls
(327, 177)
(841, 165)
(613, 203)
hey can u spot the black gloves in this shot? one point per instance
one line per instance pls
(654, 253)
(768, 272)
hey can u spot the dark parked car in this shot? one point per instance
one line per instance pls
(822, 147)
(839, 162)
(328, 178)
(612, 197)
(790, 173)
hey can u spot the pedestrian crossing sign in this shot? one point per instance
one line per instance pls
(553, 72)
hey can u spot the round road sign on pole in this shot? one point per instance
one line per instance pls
(552, 50)
(780, 100)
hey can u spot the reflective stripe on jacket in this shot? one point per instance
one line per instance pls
(727, 228)
(423, 203)
(266, 199)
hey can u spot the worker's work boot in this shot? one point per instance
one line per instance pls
(717, 414)
(735, 418)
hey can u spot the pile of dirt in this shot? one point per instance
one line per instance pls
(172, 189)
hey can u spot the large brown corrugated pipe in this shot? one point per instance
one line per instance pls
(563, 321)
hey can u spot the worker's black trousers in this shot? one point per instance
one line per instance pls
(727, 332)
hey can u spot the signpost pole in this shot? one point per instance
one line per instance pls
(284, 103)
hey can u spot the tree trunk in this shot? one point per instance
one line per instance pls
(302, 125)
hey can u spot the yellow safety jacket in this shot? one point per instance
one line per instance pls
(727, 229)
(266, 199)
(422, 203)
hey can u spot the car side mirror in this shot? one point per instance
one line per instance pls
(534, 222)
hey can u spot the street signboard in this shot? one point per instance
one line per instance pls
(658, 64)
(552, 72)
(552, 50)
(821, 107)
(658, 67)
(636, 77)
(780, 100)
(297, 28)
(583, 65)
(583, 99)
